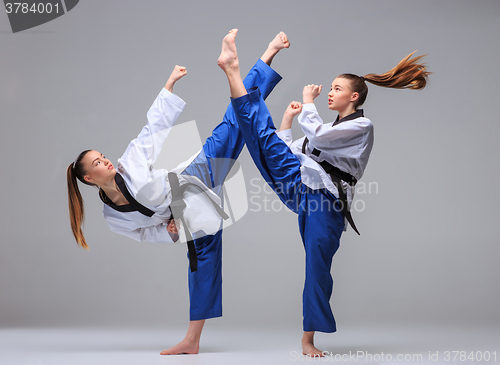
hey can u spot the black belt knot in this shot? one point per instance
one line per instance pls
(337, 176)
(177, 207)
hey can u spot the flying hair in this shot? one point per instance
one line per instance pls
(409, 73)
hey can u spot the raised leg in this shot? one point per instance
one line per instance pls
(228, 61)
(277, 164)
(223, 147)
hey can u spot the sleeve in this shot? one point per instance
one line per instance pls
(342, 140)
(154, 234)
(143, 151)
(127, 225)
(286, 136)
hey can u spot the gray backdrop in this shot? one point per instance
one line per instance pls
(429, 245)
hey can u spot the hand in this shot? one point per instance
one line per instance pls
(176, 75)
(293, 109)
(178, 72)
(311, 92)
(174, 225)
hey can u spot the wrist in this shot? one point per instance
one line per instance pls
(286, 123)
(308, 100)
(170, 85)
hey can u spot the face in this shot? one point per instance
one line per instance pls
(341, 97)
(99, 169)
(173, 226)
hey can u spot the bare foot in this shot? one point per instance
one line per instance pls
(308, 349)
(228, 59)
(184, 347)
(277, 44)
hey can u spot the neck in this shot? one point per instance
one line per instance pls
(346, 112)
(110, 188)
(114, 193)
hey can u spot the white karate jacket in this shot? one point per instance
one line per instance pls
(150, 187)
(346, 146)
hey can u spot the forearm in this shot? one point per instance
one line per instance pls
(170, 84)
(286, 122)
(177, 73)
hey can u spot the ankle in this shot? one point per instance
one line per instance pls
(233, 69)
(192, 337)
(308, 338)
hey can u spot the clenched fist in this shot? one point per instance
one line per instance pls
(293, 109)
(311, 92)
(177, 73)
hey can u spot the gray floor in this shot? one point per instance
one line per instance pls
(245, 346)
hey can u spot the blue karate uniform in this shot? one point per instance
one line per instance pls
(321, 221)
(211, 166)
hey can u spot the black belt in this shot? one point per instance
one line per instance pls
(177, 207)
(337, 177)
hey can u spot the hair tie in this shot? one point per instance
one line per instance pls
(362, 78)
(74, 163)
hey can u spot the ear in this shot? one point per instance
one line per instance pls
(87, 178)
(354, 96)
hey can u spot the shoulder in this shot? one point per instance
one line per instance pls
(363, 122)
(358, 124)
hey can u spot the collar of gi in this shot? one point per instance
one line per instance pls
(133, 204)
(358, 113)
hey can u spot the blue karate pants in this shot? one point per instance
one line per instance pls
(321, 221)
(211, 166)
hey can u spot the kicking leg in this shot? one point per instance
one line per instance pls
(223, 147)
(277, 164)
(229, 63)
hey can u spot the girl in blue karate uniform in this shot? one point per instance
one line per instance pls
(137, 196)
(314, 176)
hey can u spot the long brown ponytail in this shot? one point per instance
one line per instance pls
(76, 211)
(408, 74)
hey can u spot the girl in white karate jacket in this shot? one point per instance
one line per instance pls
(315, 176)
(138, 198)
